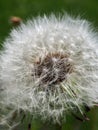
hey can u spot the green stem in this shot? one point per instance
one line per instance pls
(48, 126)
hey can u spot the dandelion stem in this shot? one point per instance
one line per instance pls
(58, 127)
(50, 126)
(29, 126)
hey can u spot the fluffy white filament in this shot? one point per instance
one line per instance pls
(21, 89)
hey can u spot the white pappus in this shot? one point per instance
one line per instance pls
(49, 67)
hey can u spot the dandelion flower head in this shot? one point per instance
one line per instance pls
(49, 67)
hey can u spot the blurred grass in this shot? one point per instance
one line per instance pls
(25, 9)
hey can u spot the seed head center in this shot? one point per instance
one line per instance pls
(53, 68)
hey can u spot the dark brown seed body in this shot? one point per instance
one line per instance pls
(53, 69)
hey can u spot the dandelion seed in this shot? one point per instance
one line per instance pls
(49, 67)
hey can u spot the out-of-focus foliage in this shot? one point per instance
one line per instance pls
(29, 8)
(25, 9)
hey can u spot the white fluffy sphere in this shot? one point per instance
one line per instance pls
(49, 67)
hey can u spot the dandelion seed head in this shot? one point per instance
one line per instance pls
(49, 67)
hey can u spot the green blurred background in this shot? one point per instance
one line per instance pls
(87, 9)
